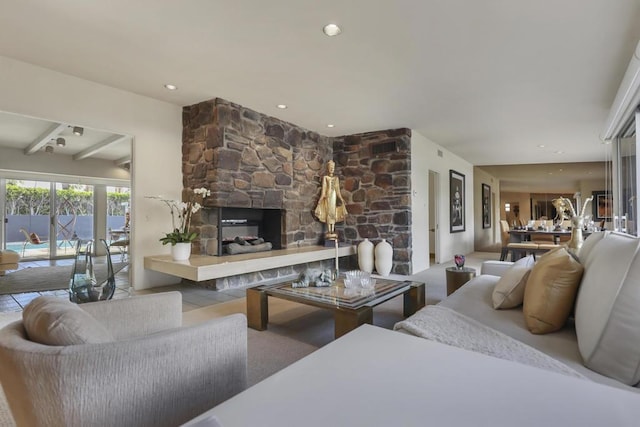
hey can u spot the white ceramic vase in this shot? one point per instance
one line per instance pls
(181, 251)
(383, 258)
(365, 256)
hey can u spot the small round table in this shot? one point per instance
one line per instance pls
(457, 277)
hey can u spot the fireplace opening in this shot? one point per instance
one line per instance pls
(246, 230)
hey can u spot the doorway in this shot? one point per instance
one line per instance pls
(434, 221)
(45, 219)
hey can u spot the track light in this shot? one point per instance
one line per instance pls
(77, 130)
(60, 142)
(48, 149)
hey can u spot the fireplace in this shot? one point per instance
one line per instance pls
(249, 225)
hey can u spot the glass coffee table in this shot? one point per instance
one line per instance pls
(351, 307)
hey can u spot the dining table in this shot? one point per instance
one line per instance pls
(525, 234)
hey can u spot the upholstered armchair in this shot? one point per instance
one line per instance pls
(124, 362)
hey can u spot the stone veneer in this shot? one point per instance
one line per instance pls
(248, 159)
(377, 188)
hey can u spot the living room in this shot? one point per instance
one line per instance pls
(222, 52)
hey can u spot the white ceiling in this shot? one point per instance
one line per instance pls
(489, 80)
(31, 135)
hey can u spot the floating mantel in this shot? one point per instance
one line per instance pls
(203, 267)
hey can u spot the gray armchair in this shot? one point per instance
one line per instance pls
(153, 373)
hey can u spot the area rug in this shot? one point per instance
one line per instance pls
(38, 279)
(294, 331)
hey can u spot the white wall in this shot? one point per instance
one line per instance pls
(485, 237)
(156, 128)
(424, 157)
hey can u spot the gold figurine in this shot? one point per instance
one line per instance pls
(331, 207)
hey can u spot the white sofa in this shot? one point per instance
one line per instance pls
(602, 340)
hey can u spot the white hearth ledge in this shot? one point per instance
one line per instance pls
(205, 267)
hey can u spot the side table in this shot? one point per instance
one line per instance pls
(457, 277)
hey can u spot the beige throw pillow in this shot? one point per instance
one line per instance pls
(55, 321)
(551, 291)
(509, 291)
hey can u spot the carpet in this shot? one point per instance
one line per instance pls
(294, 331)
(38, 279)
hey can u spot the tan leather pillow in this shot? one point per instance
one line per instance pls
(55, 321)
(509, 291)
(551, 291)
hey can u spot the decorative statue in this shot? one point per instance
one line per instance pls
(562, 210)
(331, 207)
(577, 221)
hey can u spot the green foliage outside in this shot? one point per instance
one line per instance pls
(35, 201)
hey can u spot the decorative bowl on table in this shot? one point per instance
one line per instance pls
(354, 278)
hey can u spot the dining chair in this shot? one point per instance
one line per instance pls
(517, 249)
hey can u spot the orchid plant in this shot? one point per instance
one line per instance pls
(181, 213)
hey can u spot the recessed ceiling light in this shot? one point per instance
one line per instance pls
(171, 87)
(541, 146)
(560, 170)
(331, 30)
(281, 106)
(330, 125)
(559, 152)
(78, 131)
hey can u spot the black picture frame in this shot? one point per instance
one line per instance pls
(602, 205)
(486, 206)
(457, 221)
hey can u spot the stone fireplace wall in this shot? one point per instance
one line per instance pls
(249, 159)
(376, 167)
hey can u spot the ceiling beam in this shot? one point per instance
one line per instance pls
(96, 148)
(51, 133)
(123, 161)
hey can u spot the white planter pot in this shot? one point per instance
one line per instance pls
(365, 256)
(181, 251)
(384, 258)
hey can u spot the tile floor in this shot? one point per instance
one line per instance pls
(192, 297)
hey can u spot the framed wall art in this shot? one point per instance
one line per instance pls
(602, 204)
(486, 206)
(456, 201)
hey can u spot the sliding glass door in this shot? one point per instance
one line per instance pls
(28, 217)
(625, 183)
(73, 217)
(36, 230)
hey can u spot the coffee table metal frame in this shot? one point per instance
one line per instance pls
(351, 307)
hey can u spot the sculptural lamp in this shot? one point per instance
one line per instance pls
(577, 219)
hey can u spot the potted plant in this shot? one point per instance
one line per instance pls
(181, 212)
